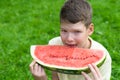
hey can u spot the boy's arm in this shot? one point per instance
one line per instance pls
(37, 71)
(54, 76)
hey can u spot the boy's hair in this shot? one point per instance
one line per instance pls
(75, 11)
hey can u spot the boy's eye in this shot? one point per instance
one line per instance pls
(77, 31)
(63, 31)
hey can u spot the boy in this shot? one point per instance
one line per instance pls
(76, 27)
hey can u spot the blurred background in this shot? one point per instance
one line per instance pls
(30, 22)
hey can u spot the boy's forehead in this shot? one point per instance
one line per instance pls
(71, 25)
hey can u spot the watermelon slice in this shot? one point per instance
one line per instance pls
(65, 59)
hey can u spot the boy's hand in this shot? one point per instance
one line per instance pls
(95, 71)
(37, 71)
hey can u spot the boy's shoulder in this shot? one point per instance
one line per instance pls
(95, 44)
(55, 41)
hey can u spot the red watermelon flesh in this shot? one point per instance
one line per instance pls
(66, 56)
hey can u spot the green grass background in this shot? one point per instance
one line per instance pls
(28, 22)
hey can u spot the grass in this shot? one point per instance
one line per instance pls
(27, 22)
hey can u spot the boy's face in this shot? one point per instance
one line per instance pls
(76, 35)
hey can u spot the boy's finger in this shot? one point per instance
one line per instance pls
(93, 72)
(36, 67)
(97, 70)
(32, 64)
(86, 76)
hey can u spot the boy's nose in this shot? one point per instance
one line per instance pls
(70, 38)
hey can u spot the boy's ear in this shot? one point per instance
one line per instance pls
(90, 29)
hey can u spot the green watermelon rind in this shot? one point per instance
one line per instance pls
(61, 69)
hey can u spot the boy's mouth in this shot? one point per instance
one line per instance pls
(71, 45)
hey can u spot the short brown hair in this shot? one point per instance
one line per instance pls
(75, 11)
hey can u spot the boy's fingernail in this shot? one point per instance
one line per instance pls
(93, 63)
(89, 64)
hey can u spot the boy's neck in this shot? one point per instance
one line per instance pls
(88, 44)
